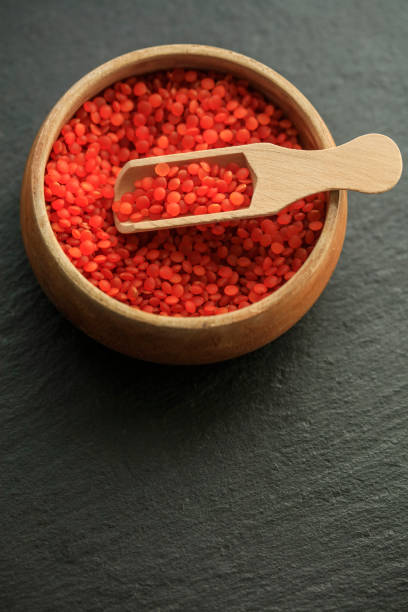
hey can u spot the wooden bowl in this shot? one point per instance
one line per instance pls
(151, 337)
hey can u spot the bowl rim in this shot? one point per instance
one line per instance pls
(72, 100)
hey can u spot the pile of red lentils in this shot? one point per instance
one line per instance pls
(191, 189)
(200, 270)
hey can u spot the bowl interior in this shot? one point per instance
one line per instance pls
(312, 130)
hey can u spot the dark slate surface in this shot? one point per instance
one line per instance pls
(277, 481)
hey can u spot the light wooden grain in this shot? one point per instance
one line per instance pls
(369, 164)
(185, 340)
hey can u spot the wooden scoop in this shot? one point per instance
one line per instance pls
(370, 164)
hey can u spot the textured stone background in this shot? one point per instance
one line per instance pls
(278, 481)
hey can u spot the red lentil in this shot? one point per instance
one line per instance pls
(202, 270)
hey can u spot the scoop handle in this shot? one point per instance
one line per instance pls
(370, 164)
